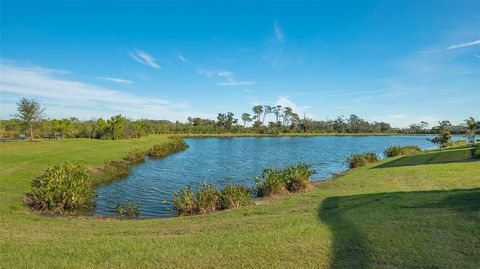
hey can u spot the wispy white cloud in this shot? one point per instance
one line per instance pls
(117, 80)
(466, 72)
(206, 73)
(182, 58)
(232, 82)
(144, 58)
(227, 76)
(278, 32)
(285, 101)
(464, 45)
(477, 56)
(64, 96)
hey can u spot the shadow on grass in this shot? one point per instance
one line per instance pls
(393, 229)
(447, 156)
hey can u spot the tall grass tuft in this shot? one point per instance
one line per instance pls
(273, 181)
(359, 160)
(292, 179)
(399, 150)
(62, 189)
(208, 199)
(128, 210)
(235, 196)
(298, 177)
(185, 202)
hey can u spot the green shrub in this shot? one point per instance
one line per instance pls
(128, 210)
(185, 202)
(399, 150)
(61, 189)
(208, 199)
(159, 151)
(235, 196)
(298, 177)
(135, 156)
(359, 160)
(272, 181)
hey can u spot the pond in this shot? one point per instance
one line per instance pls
(226, 161)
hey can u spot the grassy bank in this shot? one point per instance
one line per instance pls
(22, 161)
(410, 211)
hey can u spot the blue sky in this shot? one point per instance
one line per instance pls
(394, 61)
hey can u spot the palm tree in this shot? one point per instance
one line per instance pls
(257, 110)
(267, 110)
(471, 129)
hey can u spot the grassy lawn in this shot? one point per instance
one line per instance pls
(412, 211)
(22, 161)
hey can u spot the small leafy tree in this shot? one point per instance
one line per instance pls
(101, 128)
(246, 117)
(30, 114)
(444, 126)
(442, 139)
(226, 120)
(115, 126)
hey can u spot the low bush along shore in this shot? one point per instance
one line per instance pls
(417, 210)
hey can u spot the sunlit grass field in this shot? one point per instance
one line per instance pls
(406, 212)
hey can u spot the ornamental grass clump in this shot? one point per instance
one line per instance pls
(185, 202)
(235, 196)
(298, 177)
(359, 160)
(128, 210)
(277, 181)
(273, 181)
(399, 150)
(207, 198)
(62, 189)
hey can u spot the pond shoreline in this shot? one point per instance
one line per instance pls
(186, 172)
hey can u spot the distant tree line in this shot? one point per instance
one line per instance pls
(29, 119)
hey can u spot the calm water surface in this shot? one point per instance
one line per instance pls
(225, 161)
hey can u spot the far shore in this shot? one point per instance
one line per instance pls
(228, 135)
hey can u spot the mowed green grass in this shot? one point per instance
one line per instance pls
(20, 162)
(398, 216)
